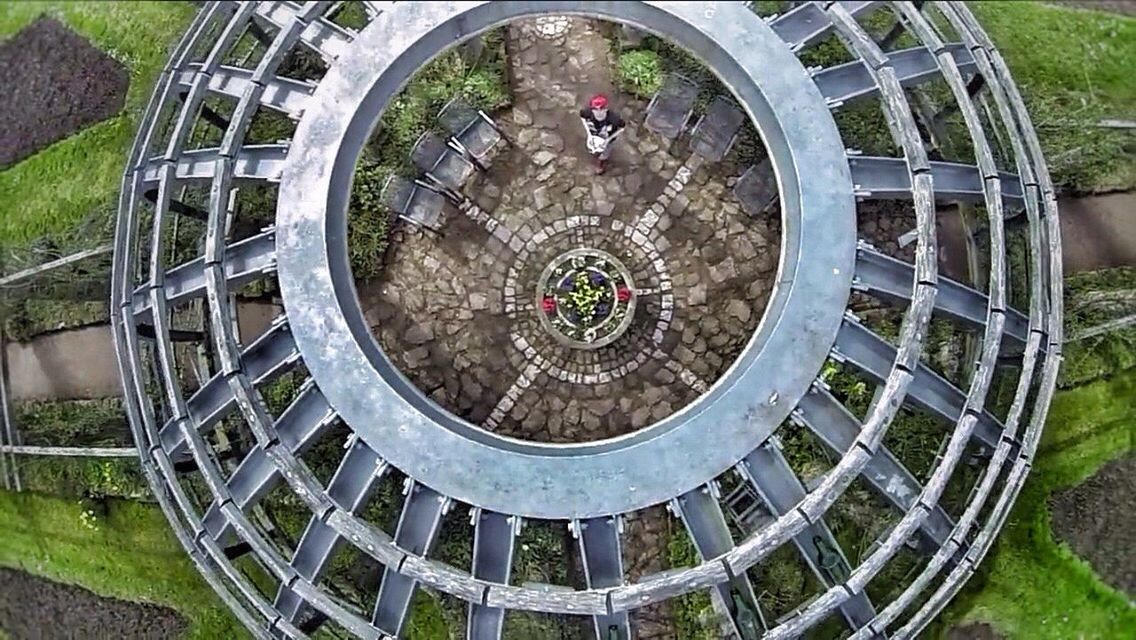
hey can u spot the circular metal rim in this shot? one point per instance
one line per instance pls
(624, 322)
(1045, 324)
(588, 479)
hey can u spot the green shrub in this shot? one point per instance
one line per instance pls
(691, 611)
(1093, 298)
(427, 621)
(281, 392)
(484, 84)
(368, 226)
(83, 477)
(72, 423)
(640, 72)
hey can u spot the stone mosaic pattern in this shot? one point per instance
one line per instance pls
(457, 313)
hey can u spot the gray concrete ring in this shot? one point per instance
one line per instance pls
(541, 480)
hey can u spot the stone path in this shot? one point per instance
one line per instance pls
(457, 314)
(1098, 232)
(77, 364)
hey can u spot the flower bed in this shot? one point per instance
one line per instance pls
(586, 298)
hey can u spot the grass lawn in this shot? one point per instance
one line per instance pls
(59, 186)
(1073, 67)
(1031, 586)
(132, 555)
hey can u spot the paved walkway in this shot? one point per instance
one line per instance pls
(68, 365)
(1098, 232)
(458, 315)
(79, 364)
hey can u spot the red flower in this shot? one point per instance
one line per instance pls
(548, 304)
(623, 293)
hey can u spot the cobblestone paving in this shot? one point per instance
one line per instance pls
(458, 314)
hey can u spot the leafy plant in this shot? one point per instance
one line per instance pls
(368, 226)
(640, 72)
(73, 422)
(693, 613)
(482, 83)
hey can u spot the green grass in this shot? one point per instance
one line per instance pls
(44, 194)
(131, 555)
(1091, 299)
(1031, 586)
(427, 621)
(1073, 68)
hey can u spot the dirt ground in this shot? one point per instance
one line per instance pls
(973, 631)
(55, 83)
(1124, 7)
(1097, 521)
(31, 607)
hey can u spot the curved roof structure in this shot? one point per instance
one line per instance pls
(728, 437)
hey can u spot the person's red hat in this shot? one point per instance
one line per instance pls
(598, 101)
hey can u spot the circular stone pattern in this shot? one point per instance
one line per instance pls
(570, 480)
(586, 298)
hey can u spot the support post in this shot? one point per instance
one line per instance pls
(6, 411)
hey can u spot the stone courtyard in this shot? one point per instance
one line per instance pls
(458, 313)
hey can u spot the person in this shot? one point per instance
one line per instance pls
(603, 126)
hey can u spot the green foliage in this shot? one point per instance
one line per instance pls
(72, 422)
(639, 72)
(766, 8)
(129, 553)
(483, 84)
(427, 621)
(693, 613)
(33, 316)
(75, 477)
(1030, 586)
(352, 15)
(1073, 68)
(64, 298)
(78, 423)
(1092, 298)
(368, 226)
(863, 126)
(280, 393)
(671, 58)
(1098, 357)
(268, 127)
(541, 556)
(828, 52)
